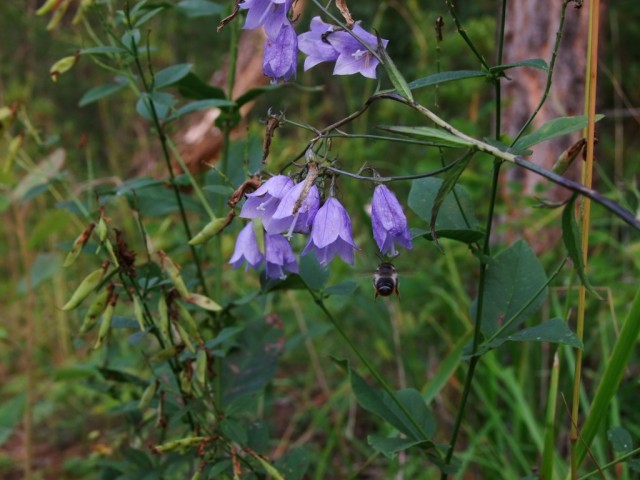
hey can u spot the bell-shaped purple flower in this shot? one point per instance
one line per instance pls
(331, 234)
(353, 56)
(284, 219)
(265, 200)
(271, 14)
(279, 256)
(281, 54)
(247, 249)
(317, 48)
(388, 221)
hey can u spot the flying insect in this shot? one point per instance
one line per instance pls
(385, 280)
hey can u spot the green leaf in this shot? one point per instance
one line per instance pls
(512, 281)
(615, 368)
(11, 415)
(392, 445)
(620, 439)
(445, 189)
(397, 80)
(294, 464)
(380, 403)
(553, 129)
(572, 241)
(200, 105)
(148, 16)
(345, 288)
(555, 330)
(234, 430)
(191, 86)
(102, 50)
(538, 63)
(462, 235)
(161, 102)
(456, 219)
(438, 136)
(99, 92)
(312, 273)
(44, 267)
(199, 8)
(171, 75)
(444, 77)
(254, 93)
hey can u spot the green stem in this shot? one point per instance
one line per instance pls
(364, 360)
(552, 64)
(167, 158)
(463, 34)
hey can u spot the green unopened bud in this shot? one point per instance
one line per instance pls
(78, 245)
(185, 338)
(87, 286)
(203, 302)
(188, 321)
(48, 6)
(63, 65)
(567, 157)
(137, 312)
(148, 395)
(210, 230)
(163, 311)
(102, 230)
(174, 274)
(201, 366)
(95, 309)
(105, 326)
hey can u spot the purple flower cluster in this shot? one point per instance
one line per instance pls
(285, 208)
(323, 43)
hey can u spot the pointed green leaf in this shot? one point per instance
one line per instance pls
(200, 105)
(438, 136)
(538, 63)
(449, 182)
(390, 446)
(171, 75)
(555, 330)
(571, 239)
(444, 77)
(515, 282)
(398, 81)
(99, 92)
(553, 129)
(191, 86)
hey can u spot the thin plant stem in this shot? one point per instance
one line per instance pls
(463, 34)
(587, 177)
(552, 64)
(167, 158)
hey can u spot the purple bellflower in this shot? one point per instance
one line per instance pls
(279, 256)
(271, 14)
(353, 56)
(281, 54)
(388, 221)
(265, 200)
(284, 220)
(331, 234)
(247, 249)
(316, 48)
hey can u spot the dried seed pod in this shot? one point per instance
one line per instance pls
(181, 445)
(95, 309)
(78, 245)
(87, 286)
(148, 395)
(107, 316)
(203, 302)
(63, 65)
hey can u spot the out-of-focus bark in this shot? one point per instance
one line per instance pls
(531, 33)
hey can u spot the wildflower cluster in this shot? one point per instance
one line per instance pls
(280, 208)
(351, 51)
